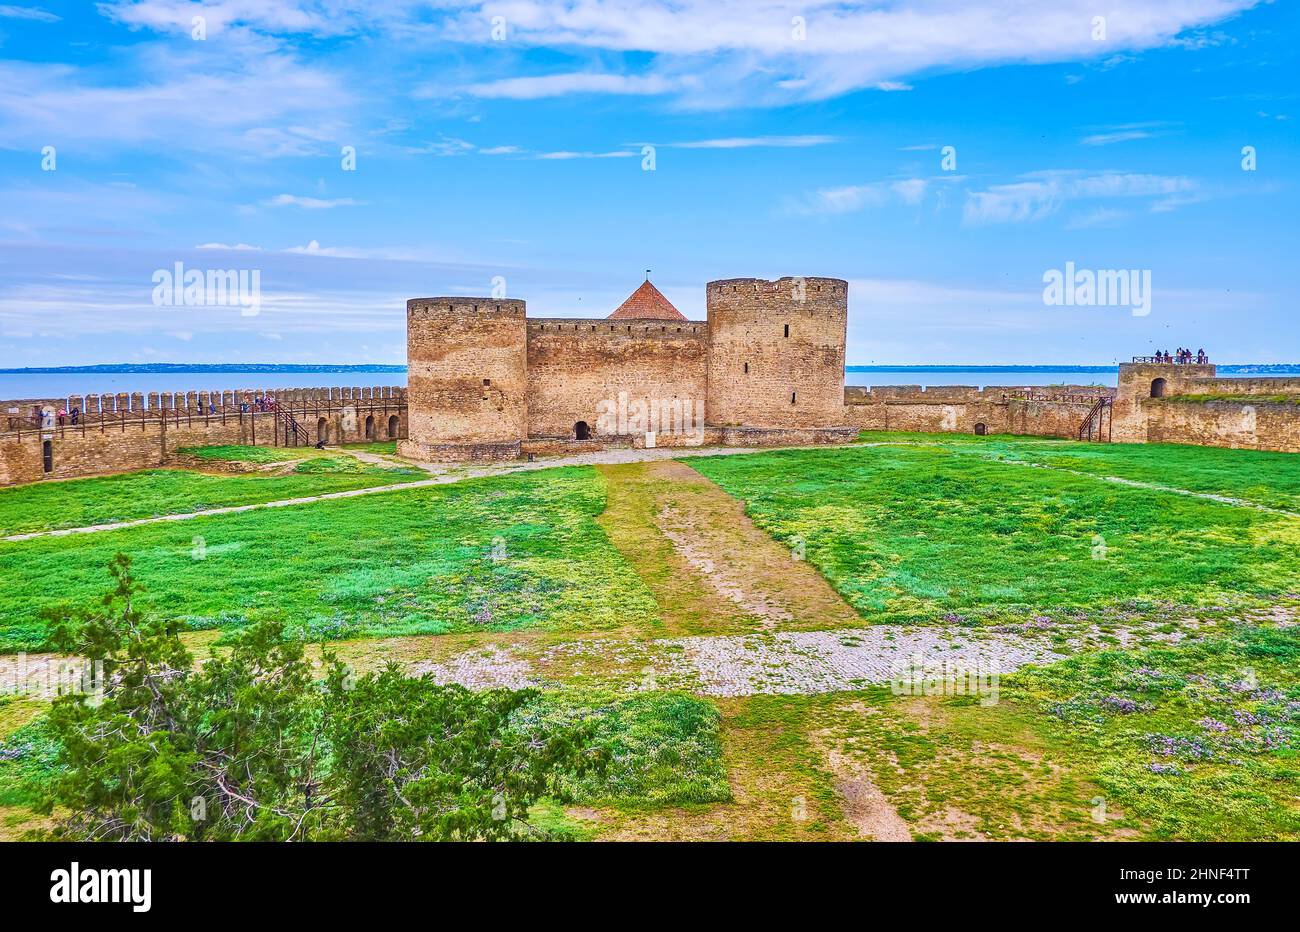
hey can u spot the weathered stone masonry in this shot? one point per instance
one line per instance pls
(767, 365)
(1188, 403)
(117, 433)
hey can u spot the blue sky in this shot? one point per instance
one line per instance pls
(781, 147)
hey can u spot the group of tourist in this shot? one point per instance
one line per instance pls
(66, 416)
(1184, 356)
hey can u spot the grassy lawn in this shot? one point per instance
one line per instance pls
(484, 555)
(378, 447)
(46, 506)
(1195, 742)
(1258, 476)
(1187, 733)
(923, 533)
(236, 453)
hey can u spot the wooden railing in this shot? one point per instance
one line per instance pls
(289, 426)
(1078, 398)
(1097, 425)
(1175, 361)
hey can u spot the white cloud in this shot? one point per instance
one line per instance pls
(27, 12)
(850, 198)
(558, 85)
(239, 247)
(309, 203)
(1043, 193)
(753, 142)
(743, 51)
(1125, 132)
(242, 96)
(565, 155)
(1106, 139)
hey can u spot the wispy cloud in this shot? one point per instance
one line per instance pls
(558, 85)
(1125, 132)
(754, 142)
(1106, 139)
(745, 51)
(850, 198)
(1041, 194)
(27, 12)
(309, 203)
(249, 100)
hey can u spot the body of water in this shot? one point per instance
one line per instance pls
(19, 385)
(869, 377)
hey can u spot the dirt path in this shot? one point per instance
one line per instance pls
(710, 569)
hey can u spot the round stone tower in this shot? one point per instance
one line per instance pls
(776, 352)
(466, 378)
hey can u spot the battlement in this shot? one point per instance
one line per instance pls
(788, 285)
(992, 394)
(143, 403)
(460, 306)
(596, 329)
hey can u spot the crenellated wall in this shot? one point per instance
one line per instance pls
(1043, 412)
(118, 433)
(577, 369)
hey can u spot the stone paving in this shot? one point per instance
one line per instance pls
(802, 663)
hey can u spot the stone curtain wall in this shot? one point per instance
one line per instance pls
(575, 365)
(1180, 415)
(776, 352)
(1042, 412)
(145, 431)
(466, 376)
(1254, 426)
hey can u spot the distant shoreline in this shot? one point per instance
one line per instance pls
(166, 368)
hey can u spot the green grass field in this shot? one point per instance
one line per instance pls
(1187, 731)
(396, 563)
(922, 532)
(1257, 476)
(49, 506)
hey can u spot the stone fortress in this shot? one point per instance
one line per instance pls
(486, 382)
(765, 369)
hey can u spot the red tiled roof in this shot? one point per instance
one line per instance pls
(647, 303)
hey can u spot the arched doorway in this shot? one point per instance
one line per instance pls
(47, 456)
(981, 430)
(1157, 388)
(370, 427)
(322, 430)
(393, 425)
(581, 431)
